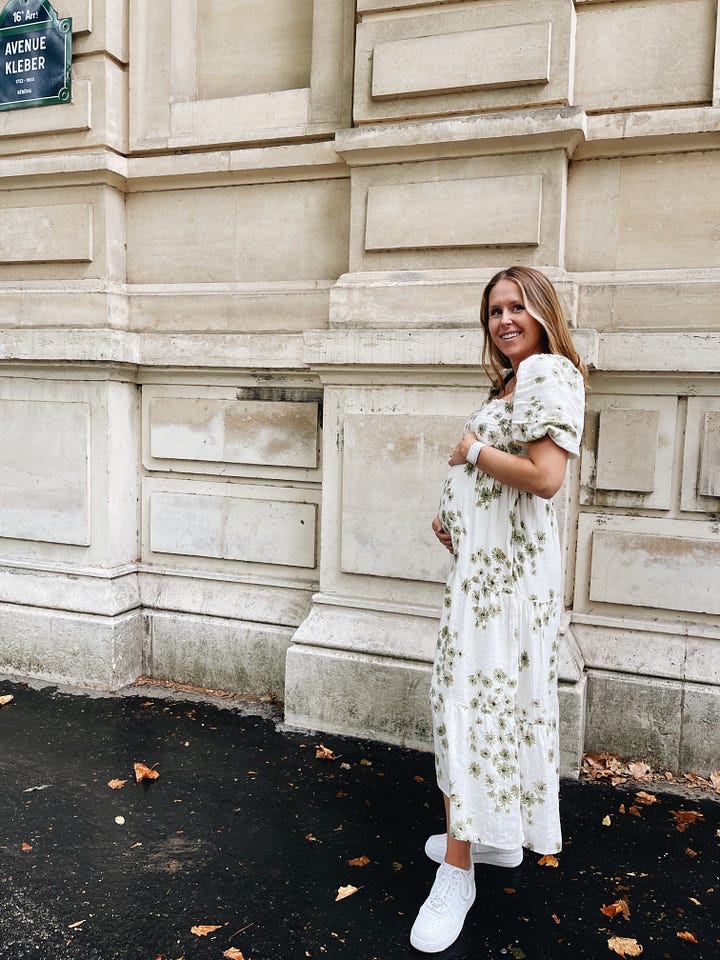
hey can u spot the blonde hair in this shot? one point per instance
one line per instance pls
(541, 302)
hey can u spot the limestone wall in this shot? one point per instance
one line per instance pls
(239, 288)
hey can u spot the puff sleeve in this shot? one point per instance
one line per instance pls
(549, 400)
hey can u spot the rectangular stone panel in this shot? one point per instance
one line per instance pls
(389, 502)
(44, 484)
(56, 233)
(466, 60)
(709, 481)
(664, 572)
(233, 528)
(241, 431)
(627, 447)
(489, 211)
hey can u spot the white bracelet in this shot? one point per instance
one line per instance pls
(474, 452)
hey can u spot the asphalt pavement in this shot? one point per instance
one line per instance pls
(245, 830)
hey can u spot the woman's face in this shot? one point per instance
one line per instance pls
(514, 332)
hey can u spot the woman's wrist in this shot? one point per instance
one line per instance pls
(474, 452)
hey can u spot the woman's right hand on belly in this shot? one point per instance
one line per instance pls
(442, 534)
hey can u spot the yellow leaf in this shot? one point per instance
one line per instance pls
(233, 954)
(606, 821)
(362, 861)
(695, 901)
(686, 935)
(347, 891)
(6, 699)
(143, 772)
(625, 947)
(555, 917)
(203, 929)
(548, 861)
(365, 763)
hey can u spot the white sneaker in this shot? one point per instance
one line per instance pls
(442, 916)
(437, 845)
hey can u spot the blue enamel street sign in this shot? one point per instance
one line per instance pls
(35, 55)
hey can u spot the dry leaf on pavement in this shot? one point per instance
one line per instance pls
(26, 847)
(116, 784)
(625, 946)
(324, 753)
(613, 909)
(365, 763)
(347, 891)
(6, 699)
(555, 917)
(362, 861)
(233, 954)
(203, 929)
(606, 821)
(548, 861)
(683, 818)
(686, 935)
(142, 772)
(715, 779)
(646, 798)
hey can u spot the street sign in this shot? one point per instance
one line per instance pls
(35, 55)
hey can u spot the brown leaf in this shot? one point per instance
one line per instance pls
(365, 763)
(203, 929)
(639, 770)
(143, 772)
(555, 917)
(686, 935)
(5, 700)
(233, 954)
(324, 753)
(625, 946)
(362, 861)
(341, 794)
(715, 779)
(635, 811)
(613, 909)
(397, 866)
(548, 861)
(26, 847)
(116, 784)
(312, 837)
(347, 891)
(419, 779)
(690, 852)
(509, 889)
(646, 799)
(621, 808)
(683, 818)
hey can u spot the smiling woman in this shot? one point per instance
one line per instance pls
(493, 692)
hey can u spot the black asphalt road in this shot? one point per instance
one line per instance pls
(245, 829)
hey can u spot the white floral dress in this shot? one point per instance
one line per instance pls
(494, 685)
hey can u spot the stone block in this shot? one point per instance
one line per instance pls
(627, 448)
(240, 431)
(635, 717)
(647, 571)
(250, 48)
(233, 528)
(358, 695)
(104, 653)
(672, 65)
(44, 471)
(571, 698)
(700, 746)
(465, 60)
(54, 233)
(387, 507)
(709, 481)
(221, 654)
(491, 211)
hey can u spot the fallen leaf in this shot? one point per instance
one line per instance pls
(715, 779)
(686, 935)
(365, 763)
(646, 798)
(419, 779)
(120, 821)
(606, 821)
(555, 917)
(613, 909)
(345, 766)
(397, 866)
(639, 770)
(548, 861)
(625, 946)
(341, 794)
(621, 808)
(509, 889)
(233, 954)
(116, 784)
(635, 811)
(26, 847)
(324, 753)
(8, 698)
(690, 852)
(362, 861)
(310, 836)
(683, 818)
(347, 891)
(142, 772)
(695, 901)
(78, 923)
(203, 929)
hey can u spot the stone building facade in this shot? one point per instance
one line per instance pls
(239, 288)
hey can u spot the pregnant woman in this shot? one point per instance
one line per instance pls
(494, 684)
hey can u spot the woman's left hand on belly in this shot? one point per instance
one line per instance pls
(459, 454)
